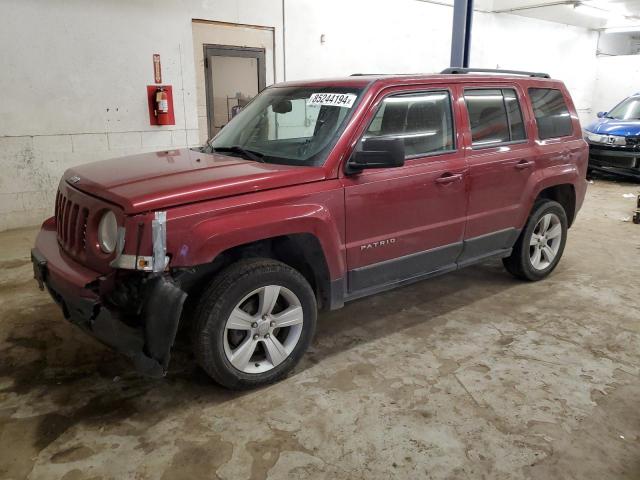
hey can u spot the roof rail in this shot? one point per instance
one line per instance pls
(456, 70)
(380, 74)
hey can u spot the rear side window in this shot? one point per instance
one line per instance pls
(551, 112)
(423, 120)
(494, 116)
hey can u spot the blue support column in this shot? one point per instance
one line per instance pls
(461, 33)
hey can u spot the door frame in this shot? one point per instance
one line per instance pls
(230, 51)
(423, 165)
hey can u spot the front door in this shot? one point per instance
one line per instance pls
(406, 222)
(233, 76)
(500, 163)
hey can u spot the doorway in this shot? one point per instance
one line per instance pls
(233, 76)
(234, 63)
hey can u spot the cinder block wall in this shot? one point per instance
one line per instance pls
(33, 165)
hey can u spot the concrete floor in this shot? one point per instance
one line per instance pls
(471, 375)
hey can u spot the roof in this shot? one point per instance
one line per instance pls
(363, 80)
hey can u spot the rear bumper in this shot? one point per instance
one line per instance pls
(76, 290)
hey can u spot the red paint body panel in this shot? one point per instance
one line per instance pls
(198, 235)
(66, 272)
(405, 204)
(216, 202)
(152, 181)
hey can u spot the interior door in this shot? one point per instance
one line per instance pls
(233, 76)
(406, 222)
(500, 163)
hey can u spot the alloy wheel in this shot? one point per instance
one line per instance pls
(545, 241)
(263, 329)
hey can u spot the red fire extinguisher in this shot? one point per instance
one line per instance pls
(162, 102)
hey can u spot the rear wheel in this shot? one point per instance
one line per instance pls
(541, 244)
(254, 323)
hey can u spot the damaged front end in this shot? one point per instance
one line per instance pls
(135, 309)
(146, 336)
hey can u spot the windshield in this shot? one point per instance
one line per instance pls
(288, 125)
(628, 109)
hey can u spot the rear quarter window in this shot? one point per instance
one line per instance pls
(551, 112)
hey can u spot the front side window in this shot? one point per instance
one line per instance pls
(288, 125)
(551, 112)
(423, 120)
(494, 116)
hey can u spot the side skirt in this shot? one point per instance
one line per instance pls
(397, 272)
(486, 246)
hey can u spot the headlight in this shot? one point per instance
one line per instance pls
(108, 232)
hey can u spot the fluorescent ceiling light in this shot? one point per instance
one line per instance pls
(631, 28)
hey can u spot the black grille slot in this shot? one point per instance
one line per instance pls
(71, 224)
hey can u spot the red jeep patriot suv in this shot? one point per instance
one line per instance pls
(317, 193)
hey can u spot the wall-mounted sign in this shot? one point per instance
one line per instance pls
(157, 70)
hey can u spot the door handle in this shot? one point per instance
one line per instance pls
(522, 164)
(448, 178)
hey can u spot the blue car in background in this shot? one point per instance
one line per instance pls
(614, 139)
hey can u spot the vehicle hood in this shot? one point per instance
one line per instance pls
(152, 181)
(611, 126)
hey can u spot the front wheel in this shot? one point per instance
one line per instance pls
(541, 244)
(254, 323)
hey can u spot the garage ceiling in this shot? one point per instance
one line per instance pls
(596, 14)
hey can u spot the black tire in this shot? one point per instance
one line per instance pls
(221, 297)
(519, 263)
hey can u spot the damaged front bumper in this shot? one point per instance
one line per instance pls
(76, 290)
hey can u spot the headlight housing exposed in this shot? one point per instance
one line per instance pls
(108, 232)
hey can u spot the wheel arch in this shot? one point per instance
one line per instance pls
(301, 251)
(564, 194)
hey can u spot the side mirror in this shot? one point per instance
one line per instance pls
(377, 153)
(601, 114)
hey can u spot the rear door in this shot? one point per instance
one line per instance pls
(500, 156)
(406, 222)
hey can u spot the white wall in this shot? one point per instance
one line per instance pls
(73, 83)
(565, 52)
(74, 72)
(405, 36)
(366, 36)
(617, 78)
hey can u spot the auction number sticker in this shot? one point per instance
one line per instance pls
(332, 99)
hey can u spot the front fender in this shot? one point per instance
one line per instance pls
(212, 236)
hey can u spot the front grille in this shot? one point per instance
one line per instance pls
(71, 222)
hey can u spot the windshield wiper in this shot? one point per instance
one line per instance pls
(248, 154)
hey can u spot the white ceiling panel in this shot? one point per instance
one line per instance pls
(595, 14)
